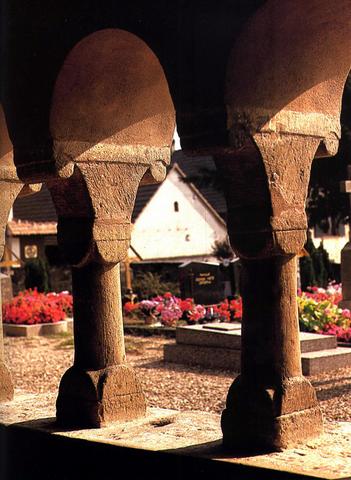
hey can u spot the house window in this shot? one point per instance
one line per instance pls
(176, 206)
(30, 251)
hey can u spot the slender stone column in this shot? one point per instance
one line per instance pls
(94, 208)
(8, 194)
(270, 405)
(6, 385)
(98, 328)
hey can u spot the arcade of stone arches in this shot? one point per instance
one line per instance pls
(92, 115)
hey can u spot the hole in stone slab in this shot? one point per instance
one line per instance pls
(162, 422)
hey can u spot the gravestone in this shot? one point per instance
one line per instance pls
(6, 288)
(201, 281)
(218, 345)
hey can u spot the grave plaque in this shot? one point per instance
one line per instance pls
(201, 281)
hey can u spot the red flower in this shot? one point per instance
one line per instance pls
(31, 307)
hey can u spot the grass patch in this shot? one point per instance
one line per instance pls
(67, 340)
(133, 346)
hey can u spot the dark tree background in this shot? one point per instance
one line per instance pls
(326, 206)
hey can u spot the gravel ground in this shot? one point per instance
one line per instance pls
(38, 363)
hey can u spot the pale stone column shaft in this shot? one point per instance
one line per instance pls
(98, 321)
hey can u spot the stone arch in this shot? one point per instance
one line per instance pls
(111, 95)
(112, 122)
(288, 68)
(285, 80)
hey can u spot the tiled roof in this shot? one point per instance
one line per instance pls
(20, 227)
(192, 167)
(40, 208)
(35, 208)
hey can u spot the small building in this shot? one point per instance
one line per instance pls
(173, 222)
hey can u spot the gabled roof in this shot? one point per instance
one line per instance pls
(40, 208)
(35, 208)
(192, 167)
(189, 167)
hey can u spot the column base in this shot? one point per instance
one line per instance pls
(6, 385)
(90, 399)
(270, 418)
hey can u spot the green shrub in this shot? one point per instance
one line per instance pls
(149, 284)
(36, 275)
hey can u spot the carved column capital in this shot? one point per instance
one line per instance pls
(269, 218)
(94, 208)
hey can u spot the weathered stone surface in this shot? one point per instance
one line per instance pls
(226, 358)
(270, 416)
(97, 397)
(267, 230)
(313, 362)
(286, 102)
(6, 385)
(108, 152)
(186, 434)
(326, 360)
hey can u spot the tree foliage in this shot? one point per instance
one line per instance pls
(148, 284)
(36, 275)
(326, 206)
(315, 268)
(222, 250)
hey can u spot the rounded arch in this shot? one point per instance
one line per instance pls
(288, 68)
(112, 92)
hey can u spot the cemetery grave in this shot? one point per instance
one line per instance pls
(217, 345)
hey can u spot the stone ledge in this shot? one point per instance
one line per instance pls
(228, 335)
(325, 360)
(313, 362)
(14, 330)
(165, 443)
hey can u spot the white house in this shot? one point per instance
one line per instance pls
(176, 223)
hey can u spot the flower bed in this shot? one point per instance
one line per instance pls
(31, 307)
(317, 308)
(319, 312)
(169, 310)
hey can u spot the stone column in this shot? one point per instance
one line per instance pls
(8, 194)
(346, 255)
(94, 208)
(270, 405)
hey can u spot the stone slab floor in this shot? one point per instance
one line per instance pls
(190, 433)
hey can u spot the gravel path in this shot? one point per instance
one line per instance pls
(38, 363)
